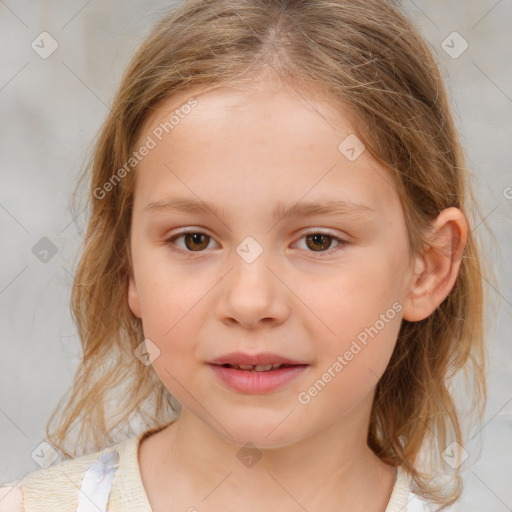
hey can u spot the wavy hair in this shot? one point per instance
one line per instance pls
(372, 64)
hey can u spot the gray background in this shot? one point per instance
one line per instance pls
(51, 110)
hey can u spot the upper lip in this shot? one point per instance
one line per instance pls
(263, 358)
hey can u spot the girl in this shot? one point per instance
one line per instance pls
(280, 274)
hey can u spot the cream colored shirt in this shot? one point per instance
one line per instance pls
(59, 488)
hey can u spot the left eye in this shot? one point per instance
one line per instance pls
(196, 241)
(318, 241)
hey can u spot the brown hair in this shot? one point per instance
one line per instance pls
(368, 59)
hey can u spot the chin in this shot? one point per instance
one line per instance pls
(269, 434)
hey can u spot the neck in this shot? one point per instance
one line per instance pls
(189, 463)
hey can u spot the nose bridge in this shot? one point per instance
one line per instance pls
(250, 250)
(251, 259)
(251, 290)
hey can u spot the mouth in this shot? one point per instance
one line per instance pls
(258, 367)
(263, 361)
(257, 373)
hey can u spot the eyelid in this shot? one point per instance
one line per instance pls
(342, 242)
(170, 239)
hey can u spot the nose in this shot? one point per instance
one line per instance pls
(252, 294)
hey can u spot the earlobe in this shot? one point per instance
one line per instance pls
(436, 269)
(133, 296)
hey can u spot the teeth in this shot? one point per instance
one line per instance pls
(258, 367)
(263, 368)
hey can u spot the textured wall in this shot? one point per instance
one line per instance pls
(51, 108)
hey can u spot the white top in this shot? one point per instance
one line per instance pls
(110, 480)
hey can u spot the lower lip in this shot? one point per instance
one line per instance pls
(250, 381)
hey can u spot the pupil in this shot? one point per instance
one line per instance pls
(318, 240)
(195, 237)
(323, 240)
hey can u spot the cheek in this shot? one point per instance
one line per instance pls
(171, 313)
(176, 365)
(349, 370)
(360, 313)
(167, 296)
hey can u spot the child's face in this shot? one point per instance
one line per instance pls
(254, 283)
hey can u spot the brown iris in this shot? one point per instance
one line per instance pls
(318, 238)
(195, 238)
(198, 241)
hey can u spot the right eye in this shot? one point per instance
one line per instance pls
(194, 241)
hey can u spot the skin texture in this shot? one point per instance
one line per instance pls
(245, 151)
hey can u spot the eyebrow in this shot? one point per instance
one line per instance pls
(301, 209)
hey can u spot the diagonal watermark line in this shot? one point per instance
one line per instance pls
(14, 218)
(199, 403)
(13, 77)
(68, 272)
(217, 486)
(82, 493)
(483, 277)
(483, 220)
(383, 178)
(15, 486)
(301, 300)
(375, 375)
(76, 14)
(499, 293)
(404, 508)
(170, 170)
(508, 508)
(435, 268)
(492, 81)
(489, 421)
(102, 398)
(492, 8)
(73, 220)
(10, 487)
(305, 99)
(14, 423)
(286, 491)
(12, 280)
(206, 293)
(85, 84)
(14, 14)
(303, 195)
(425, 14)
(280, 423)
(113, 317)
(269, 64)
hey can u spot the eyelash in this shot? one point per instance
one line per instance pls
(170, 241)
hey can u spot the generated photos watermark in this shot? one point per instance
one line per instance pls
(150, 143)
(361, 341)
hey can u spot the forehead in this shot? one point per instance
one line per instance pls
(259, 142)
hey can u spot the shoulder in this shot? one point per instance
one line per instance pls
(54, 488)
(417, 504)
(403, 498)
(11, 498)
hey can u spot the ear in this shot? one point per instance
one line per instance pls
(436, 269)
(133, 296)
